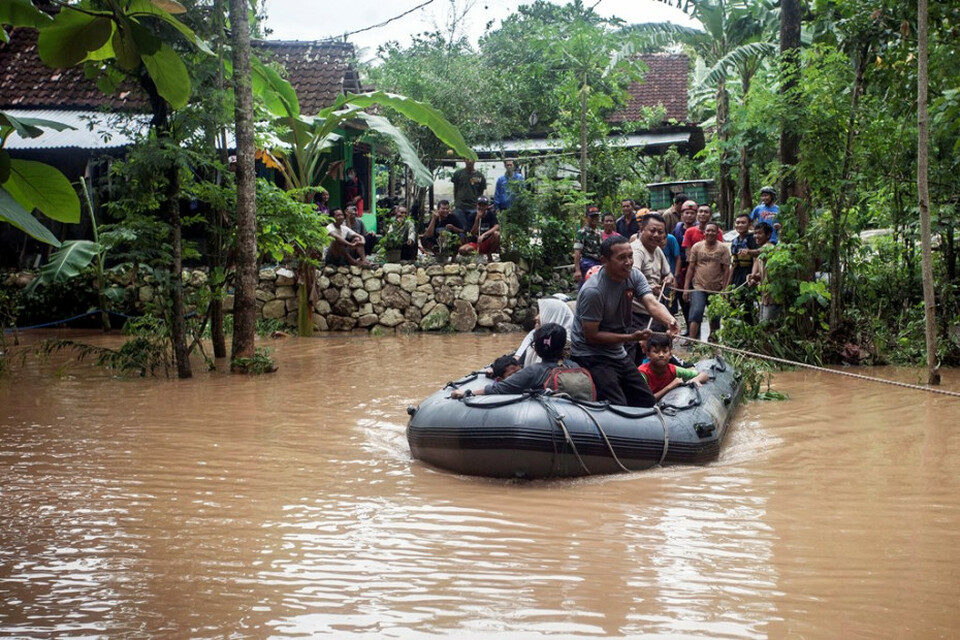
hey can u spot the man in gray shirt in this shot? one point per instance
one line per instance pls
(602, 320)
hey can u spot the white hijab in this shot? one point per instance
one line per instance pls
(551, 310)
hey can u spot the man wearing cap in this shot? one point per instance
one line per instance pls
(485, 235)
(768, 212)
(586, 245)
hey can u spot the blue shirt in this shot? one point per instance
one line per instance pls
(770, 215)
(501, 193)
(671, 251)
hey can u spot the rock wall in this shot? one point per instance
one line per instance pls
(391, 298)
(400, 298)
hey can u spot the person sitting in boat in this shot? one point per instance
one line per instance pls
(550, 310)
(504, 367)
(549, 341)
(601, 321)
(660, 373)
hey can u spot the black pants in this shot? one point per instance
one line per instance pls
(618, 381)
(640, 321)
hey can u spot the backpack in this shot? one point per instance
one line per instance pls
(573, 381)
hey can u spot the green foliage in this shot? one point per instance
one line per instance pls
(148, 351)
(257, 364)
(84, 32)
(449, 76)
(285, 224)
(541, 223)
(26, 185)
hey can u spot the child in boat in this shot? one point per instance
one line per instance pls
(548, 341)
(660, 374)
(504, 367)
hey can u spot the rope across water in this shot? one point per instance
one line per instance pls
(859, 376)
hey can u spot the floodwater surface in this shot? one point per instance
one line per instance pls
(289, 506)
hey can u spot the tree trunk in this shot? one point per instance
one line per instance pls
(244, 306)
(215, 249)
(745, 196)
(725, 195)
(178, 325)
(171, 206)
(923, 194)
(789, 152)
(583, 135)
(838, 227)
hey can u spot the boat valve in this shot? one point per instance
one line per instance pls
(704, 429)
(411, 410)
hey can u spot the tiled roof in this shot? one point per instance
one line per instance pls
(665, 83)
(27, 83)
(319, 71)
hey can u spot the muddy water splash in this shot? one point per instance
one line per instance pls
(288, 505)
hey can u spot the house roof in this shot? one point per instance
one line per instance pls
(27, 83)
(319, 71)
(664, 83)
(90, 129)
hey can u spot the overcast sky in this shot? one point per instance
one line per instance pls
(320, 19)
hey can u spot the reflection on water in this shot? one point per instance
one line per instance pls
(288, 505)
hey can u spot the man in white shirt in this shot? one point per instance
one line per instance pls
(649, 258)
(347, 246)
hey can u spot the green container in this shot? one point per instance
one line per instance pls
(662, 193)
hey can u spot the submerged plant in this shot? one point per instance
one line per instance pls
(148, 351)
(259, 363)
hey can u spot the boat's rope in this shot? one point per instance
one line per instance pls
(666, 436)
(603, 434)
(793, 363)
(556, 417)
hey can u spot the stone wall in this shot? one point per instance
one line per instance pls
(401, 298)
(391, 298)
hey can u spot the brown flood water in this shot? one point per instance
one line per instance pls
(289, 506)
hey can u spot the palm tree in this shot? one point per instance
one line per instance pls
(737, 37)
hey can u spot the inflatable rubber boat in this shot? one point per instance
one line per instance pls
(539, 435)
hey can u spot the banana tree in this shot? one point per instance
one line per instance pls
(73, 257)
(737, 36)
(306, 142)
(26, 185)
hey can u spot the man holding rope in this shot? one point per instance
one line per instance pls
(707, 274)
(601, 325)
(653, 264)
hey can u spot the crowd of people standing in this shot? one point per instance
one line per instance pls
(683, 255)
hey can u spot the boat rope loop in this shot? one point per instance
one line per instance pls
(557, 418)
(793, 363)
(603, 434)
(666, 436)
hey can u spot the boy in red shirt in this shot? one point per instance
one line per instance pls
(660, 374)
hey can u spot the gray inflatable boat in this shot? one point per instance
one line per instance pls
(539, 435)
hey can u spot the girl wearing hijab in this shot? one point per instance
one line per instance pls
(551, 310)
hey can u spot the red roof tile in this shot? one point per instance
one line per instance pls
(664, 84)
(27, 83)
(319, 71)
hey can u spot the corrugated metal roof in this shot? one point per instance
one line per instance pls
(91, 129)
(654, 139)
